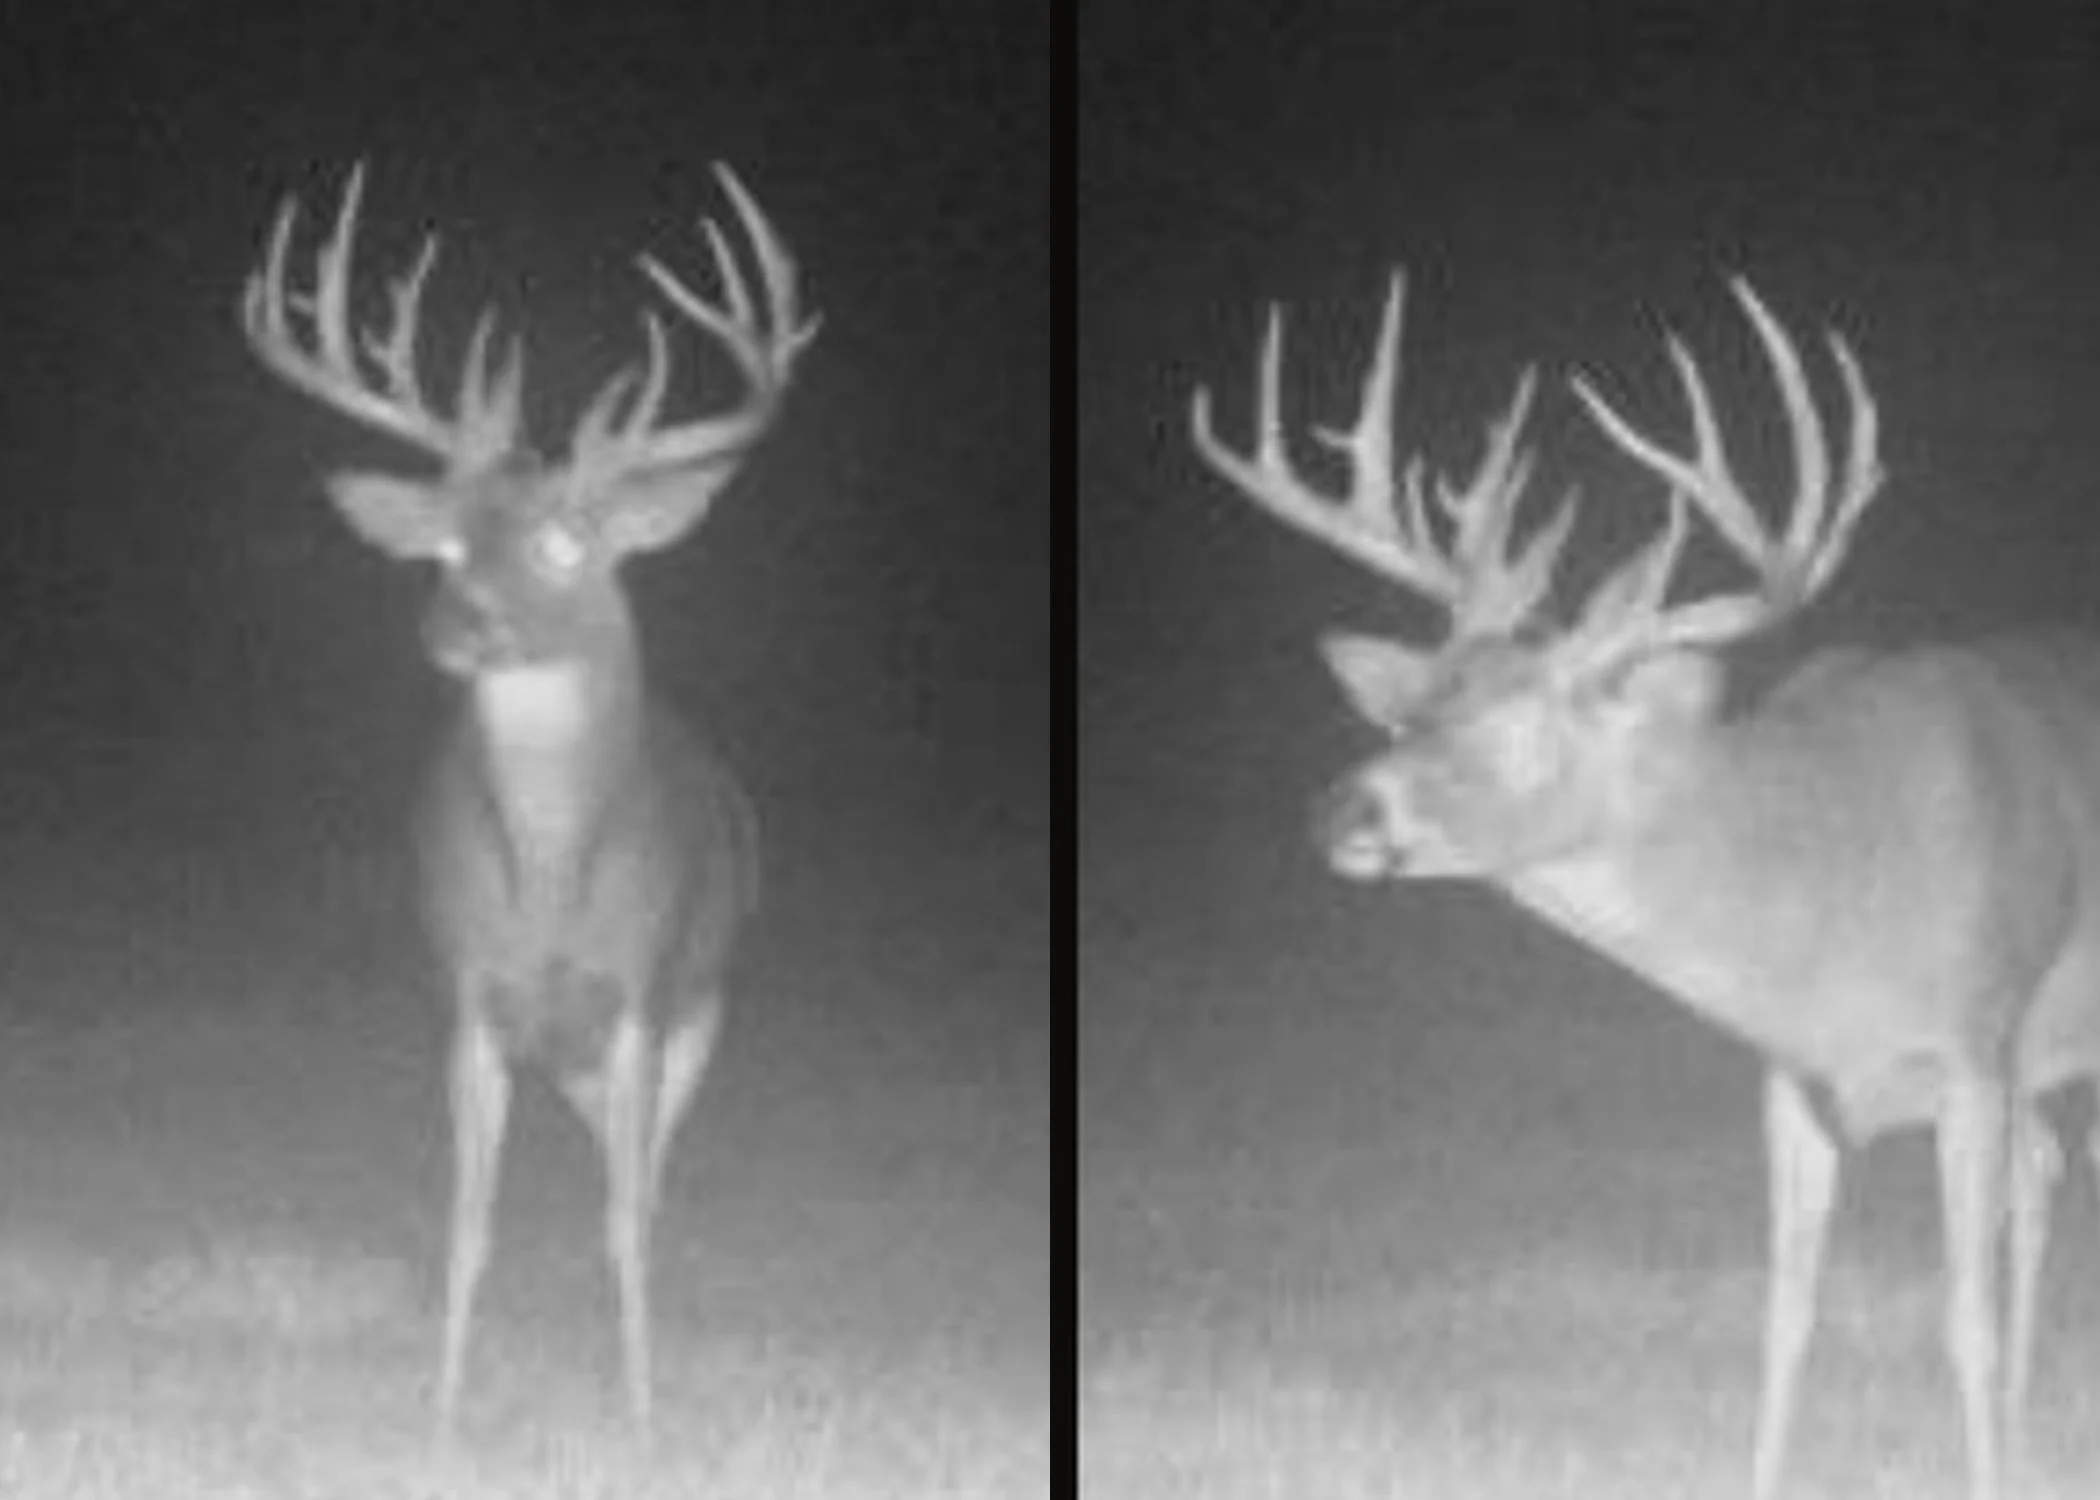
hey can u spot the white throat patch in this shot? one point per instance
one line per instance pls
(538, 706)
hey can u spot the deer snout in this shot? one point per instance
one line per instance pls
(1351, 825)
(466, 630)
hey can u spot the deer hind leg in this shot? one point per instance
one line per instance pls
(480, 1100)
(1974, 1132)
(2036, 1162)
(1802, 1164)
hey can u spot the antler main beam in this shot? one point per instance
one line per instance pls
(329, 360)
(619, 432)
(1791, 568)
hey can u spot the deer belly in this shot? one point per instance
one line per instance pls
(560, 1020)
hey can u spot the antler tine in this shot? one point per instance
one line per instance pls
(1382, 520)
(1368, 442)
(489, 402)
(1817, 535)
(732, 324)
(1708, 480)
(1502, 593)
(1863, 468)
(600, 419)
(1804, 424)
(656, 374)
(395, 351)
(777, 268)
(331, 302)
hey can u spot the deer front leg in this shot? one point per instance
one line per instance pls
(1801, 1161)
(624, 1132)
(634, 1103)
(480, 1101)
(686, 1053)
(2036, 1164)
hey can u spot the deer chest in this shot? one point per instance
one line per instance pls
(560, 1018)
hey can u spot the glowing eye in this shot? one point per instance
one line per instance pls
(557, 550)
(451, 552)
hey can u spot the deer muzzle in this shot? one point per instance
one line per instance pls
(1351, 827)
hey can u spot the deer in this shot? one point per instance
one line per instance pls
(1883, 875)
(585, 862)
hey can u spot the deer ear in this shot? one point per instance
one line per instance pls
(651, 512)
(400, 517)
(1383, 679)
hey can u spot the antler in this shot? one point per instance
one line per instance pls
(618, 435)
(1481, 588)
(1628, 610)
(330, 362)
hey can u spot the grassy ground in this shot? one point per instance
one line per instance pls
(1455, 1211)
(222, 1178)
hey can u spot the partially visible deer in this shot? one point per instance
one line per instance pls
(1885, 876)
(585, 861)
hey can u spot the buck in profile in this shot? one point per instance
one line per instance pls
(585, 861)
(1885, 876)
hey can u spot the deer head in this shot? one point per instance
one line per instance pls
(1513, 741)
(528, 549)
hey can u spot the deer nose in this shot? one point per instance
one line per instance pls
(1340, 811)
(1349, 828)
(464, 627)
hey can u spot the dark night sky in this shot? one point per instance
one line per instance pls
(1560, 187)
(863, 621)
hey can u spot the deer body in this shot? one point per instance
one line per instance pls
(584, 861)
(585, 866)
(1909, 838)
(1885, 876)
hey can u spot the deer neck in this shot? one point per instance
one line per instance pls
(1611, 900)
(1687, 850)
(558, 740)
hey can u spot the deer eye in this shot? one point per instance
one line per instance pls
(557, 551)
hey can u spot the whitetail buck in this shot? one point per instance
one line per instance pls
(585, 862)
(1885, 876)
